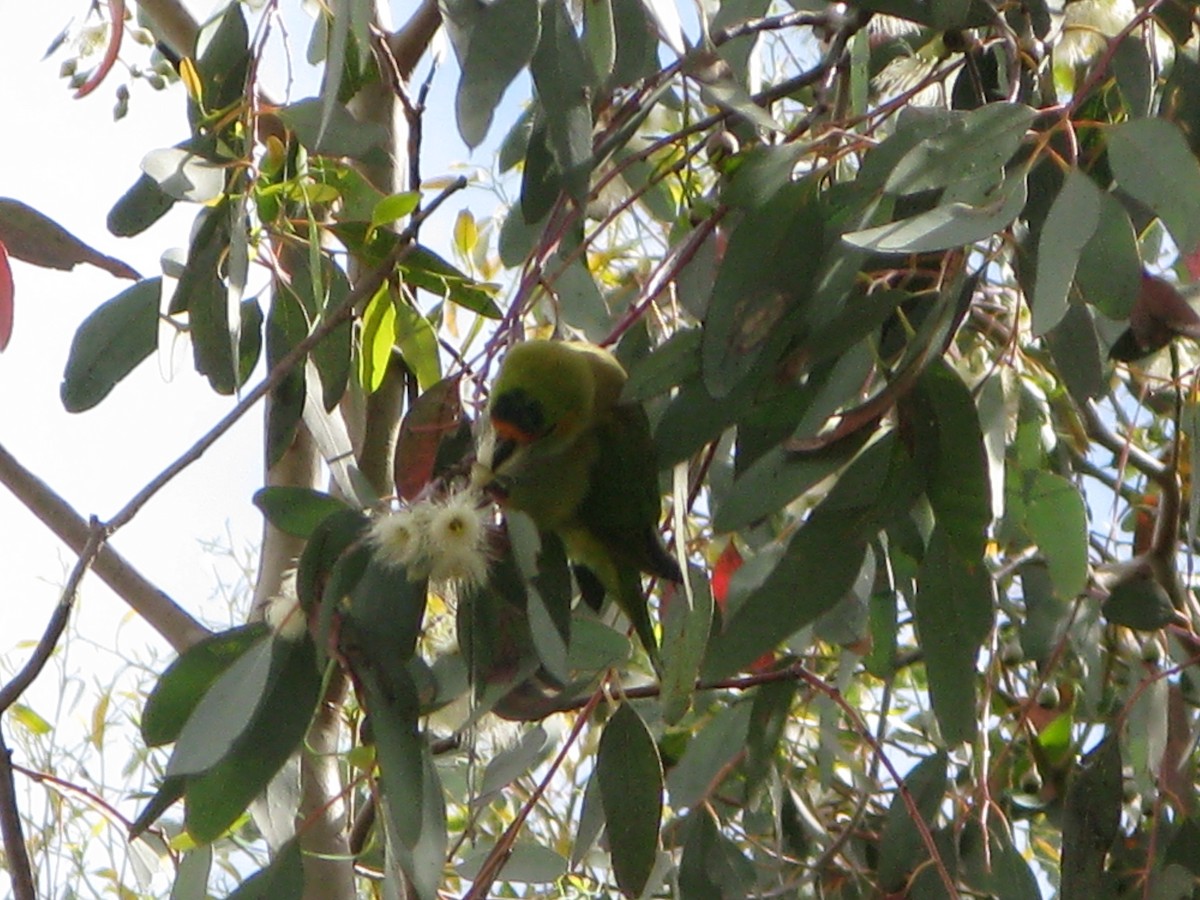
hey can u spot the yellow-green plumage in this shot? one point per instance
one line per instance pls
(581, 464)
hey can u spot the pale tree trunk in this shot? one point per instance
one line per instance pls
(329, 872)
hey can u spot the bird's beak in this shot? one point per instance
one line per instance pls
(504, 449)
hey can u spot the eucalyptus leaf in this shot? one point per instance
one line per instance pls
(110, 343)
(631, 782)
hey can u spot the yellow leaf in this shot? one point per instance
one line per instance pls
(33, 723)
(191, 79)
(99, 721)
(466, 233)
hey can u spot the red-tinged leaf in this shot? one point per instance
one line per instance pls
(116, 15)
(1192, 263)
(35, 238)
(6, 298)
(432, 419)
(727, 563)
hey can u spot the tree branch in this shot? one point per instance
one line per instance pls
(166, 616)
(16, 857)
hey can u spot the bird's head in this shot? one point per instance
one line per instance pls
(542, 400)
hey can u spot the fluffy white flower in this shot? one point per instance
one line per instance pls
(457, 540)
(400, 537)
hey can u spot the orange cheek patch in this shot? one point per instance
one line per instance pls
(507, 431)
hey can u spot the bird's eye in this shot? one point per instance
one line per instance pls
(520, 412)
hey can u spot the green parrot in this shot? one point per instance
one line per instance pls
(581, 464)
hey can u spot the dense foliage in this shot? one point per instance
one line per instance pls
(899, 284)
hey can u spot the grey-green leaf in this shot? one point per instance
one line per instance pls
(110, 343)
(970, 144)
(1070, 224)
(949, 225)
(900, 846)
(503, 38)
(1153, 163)
(631, 782)
(954, 612)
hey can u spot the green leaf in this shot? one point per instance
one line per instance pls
(770, 714)
(416, 806)
(223, 61)
(953, 610)
(329, 540)
(283, 879)
(579, 299)
(164, 798)
(384, 614)
(378, 339)
(595, 646)
(901, 848)
(762, 282)
(343, 135)
(561, 75)
(953, 458)
(185, 682)
(201, 291)
(693, 778)
(109, 344)
(777, 478)
(712, 866)
(1070, 224)
(1056, 519)
(685, 638)
(394, 207)
(1076, 347)
(637, 43)
(1091, 820)
(296, 510)
(949, 225)
(1138, 601)
(1153, 163)
(941, 15)
(28, 719)
(533, 748)
(825, 556)
(139, 208)
(287, 325)
(425, 269)
(217, 798)
(224, 712)
(599, 38)
(503, 36)
(191, 877)
(1135, 75)
(672, 363)
(993, 864)
(1109, 274)
(631, 784)
(524, 863)
(970, 145)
